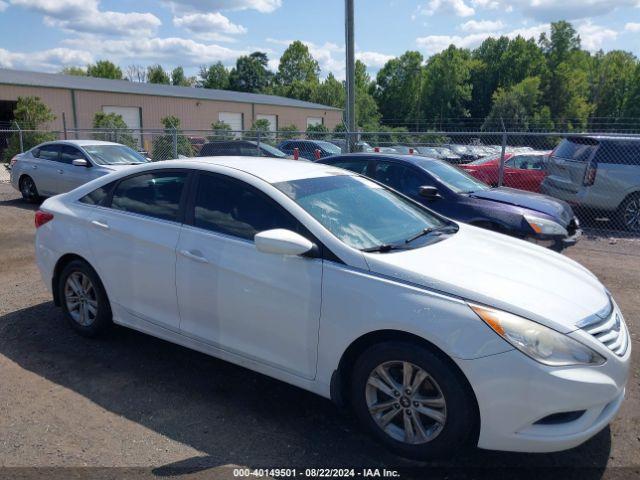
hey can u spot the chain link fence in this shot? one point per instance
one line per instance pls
(598, 175)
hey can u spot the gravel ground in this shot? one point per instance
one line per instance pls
(134, 401)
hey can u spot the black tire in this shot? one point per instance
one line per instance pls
(460, 406)
(97, 323)
(625, 217)
(28, 189)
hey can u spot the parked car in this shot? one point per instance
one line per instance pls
(247, 148)
(599, 173)
(465, 152)
(456, 194)
(56, 167)
(442, 153)
(360, 146)
(307, 148)
(524, 171)
(196, 144)
(436, 334)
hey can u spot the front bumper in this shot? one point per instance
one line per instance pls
(556, 242)
(515, 392)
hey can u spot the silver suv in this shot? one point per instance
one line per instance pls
(57, 167)
(599, 173)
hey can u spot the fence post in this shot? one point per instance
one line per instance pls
(258, 141)
(64, 125)
(502, 153)
(20, 137)
(175, 142)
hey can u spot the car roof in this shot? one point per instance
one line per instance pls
(418, 160)
(271, 170)
(80, 143)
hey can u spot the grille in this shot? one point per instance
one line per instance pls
(610, 331)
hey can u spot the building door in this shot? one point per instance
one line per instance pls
(234, 120)
(131, 116)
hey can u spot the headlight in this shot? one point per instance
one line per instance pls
(537, 341)
(544, 226)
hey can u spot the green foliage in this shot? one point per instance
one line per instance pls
(163, 145)
(317, 132)
(221, 131)
(104, 69)
(156, 74)
(30, 114)
(76, 71)
(116, 129)
(179, 79)
(287, 132)
(366, 108)
(251, 73)
(297, 65)
(330, 92)
(260, 129)
(214, 76)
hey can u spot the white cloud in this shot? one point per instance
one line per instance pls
(172, 51)
(488, 4)
(553, 10)
(210, 26)
(482, 25)
(594, 36)
(3, 5)
(457, 7)
(85, 16)
(373, 59)
(263, 6)
(46, 60)
(632, 27)
(436, 43)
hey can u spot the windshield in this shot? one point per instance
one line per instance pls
(272, 150)
(457, 180)
(114, 155)
(329, 147)
(487, 159)
(360, 212)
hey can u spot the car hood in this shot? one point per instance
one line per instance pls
(502, 272)
(533, 201)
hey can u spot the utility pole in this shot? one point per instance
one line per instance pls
(350, 112)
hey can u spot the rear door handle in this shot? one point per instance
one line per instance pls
(60, 171)
(34, 167)
(100, 224)
(195, 256)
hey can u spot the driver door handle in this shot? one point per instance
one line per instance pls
(194, 255)
(100, 224)
(60, 171)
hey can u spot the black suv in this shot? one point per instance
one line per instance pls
(246, 148)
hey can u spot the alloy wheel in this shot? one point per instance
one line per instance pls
(406, 402)
(81, 299)
(631, 215)
(28, 188)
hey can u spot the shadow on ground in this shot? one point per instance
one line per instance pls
(233, 415)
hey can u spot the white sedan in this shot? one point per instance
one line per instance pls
(436, 334)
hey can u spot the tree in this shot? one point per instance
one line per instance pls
(564, 40)
(156, 74)
(114, 129)
(288, 131)
(104, 69)
(136, 73)
(516, 108)
(214, 76)
(297, 65)
(75, 71)
(611, 81)
(221, 131)
(172, 141)
(317, 131)
(447, 85)
(398, 89)
(330, 92)
(179, 79)
(250, 73)
(632, 104)
(30, 114)
(261, 128)
(367, 114)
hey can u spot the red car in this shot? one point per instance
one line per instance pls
(524, 171)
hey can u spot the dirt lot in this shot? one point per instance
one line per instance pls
(134, 401)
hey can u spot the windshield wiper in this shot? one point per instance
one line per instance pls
(382, 248)
(429, 230)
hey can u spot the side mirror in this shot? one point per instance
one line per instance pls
(282, 242)
(80, 162)
(428, 192)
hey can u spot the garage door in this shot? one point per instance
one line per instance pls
(272, 119)
(130, 115)
(314, 121)
(234, 120)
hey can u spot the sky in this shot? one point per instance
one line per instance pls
(47, 35)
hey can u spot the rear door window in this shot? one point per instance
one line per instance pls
(619, 152)
(578, 149)
(400, 177)
(50, 152)
(154, 194)
(355, 165)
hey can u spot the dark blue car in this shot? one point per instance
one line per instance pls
(307, 148)
(453, 193)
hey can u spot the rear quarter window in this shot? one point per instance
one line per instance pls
(619, 153)
(579, 149)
